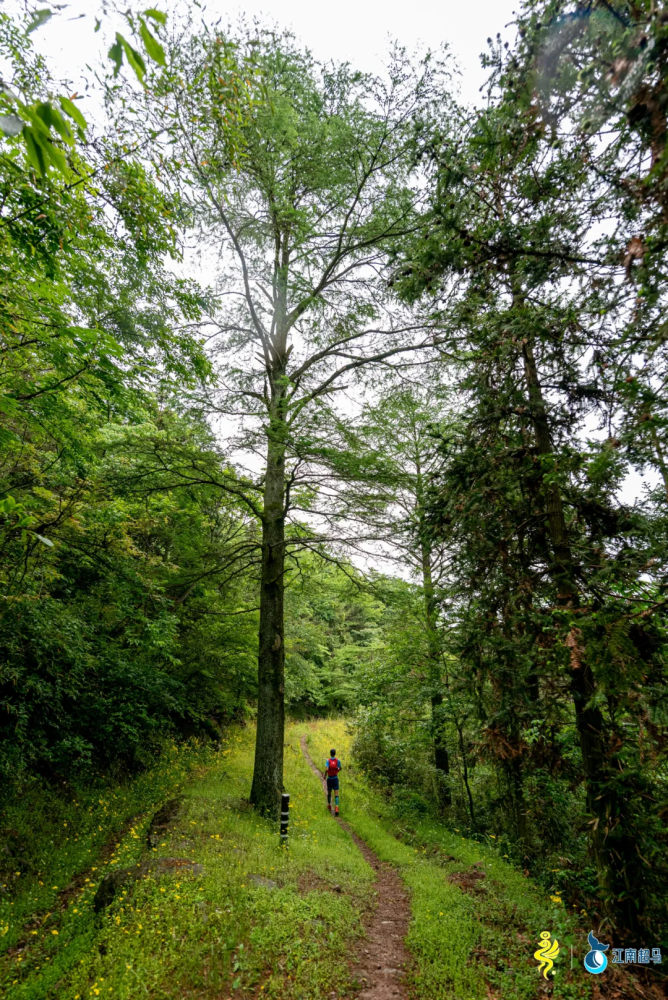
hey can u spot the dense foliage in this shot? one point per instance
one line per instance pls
(129, 589)
(489, 286)
(540, 257)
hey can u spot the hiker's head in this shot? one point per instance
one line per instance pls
(332, 753)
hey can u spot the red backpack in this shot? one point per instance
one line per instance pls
(332, 767)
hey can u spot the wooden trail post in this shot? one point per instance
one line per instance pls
(285, 816)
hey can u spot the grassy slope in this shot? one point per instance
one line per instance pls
(221, 934)
(209, 936)
(63, 841)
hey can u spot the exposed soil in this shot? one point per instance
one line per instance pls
(309, 881)
(621, 984)
(470, 881)
(381, 959)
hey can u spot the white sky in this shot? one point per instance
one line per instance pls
(357, 31)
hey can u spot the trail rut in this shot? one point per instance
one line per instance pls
(380, 961)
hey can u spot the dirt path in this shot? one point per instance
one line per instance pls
(382, 957)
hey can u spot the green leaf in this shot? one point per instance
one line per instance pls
(8, 405)
(151, 43)
(156, 15)
(98, 25)
(39, 126)
(62, 128)
(116, 55)
(45, 541)
(134, 58)
(70, 108)
(53, 119)
(36, 154)
(57, 157)
(10, 506)
(39, 18)
(89, 335)
(45, 112)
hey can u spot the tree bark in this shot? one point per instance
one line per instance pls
(589, 719)
(441, 756)
(465, 770)
(268, 770)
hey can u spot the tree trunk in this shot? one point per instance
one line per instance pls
(441, 757)
(465, 770)
(515, 775)
(268, 771)
(589, 719)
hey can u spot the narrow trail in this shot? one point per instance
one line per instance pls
(380, 960)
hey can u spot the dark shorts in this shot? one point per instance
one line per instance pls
(333, 784)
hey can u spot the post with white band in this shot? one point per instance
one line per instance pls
(285, 816)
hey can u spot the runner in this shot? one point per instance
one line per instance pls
(332, 769)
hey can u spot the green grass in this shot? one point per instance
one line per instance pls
(68, 839)
(61, 834)
(215, 935)
(221, 934)
(466, 946)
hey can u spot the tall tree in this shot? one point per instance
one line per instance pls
(301, 220)
(598, 69)
(76, 298)
(397, 440)
(92, 325)
(524, 272)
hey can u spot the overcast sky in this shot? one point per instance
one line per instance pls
(357, 31)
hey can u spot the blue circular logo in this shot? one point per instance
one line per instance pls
(596, 962)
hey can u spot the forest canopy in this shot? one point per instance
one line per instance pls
(391, 444)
